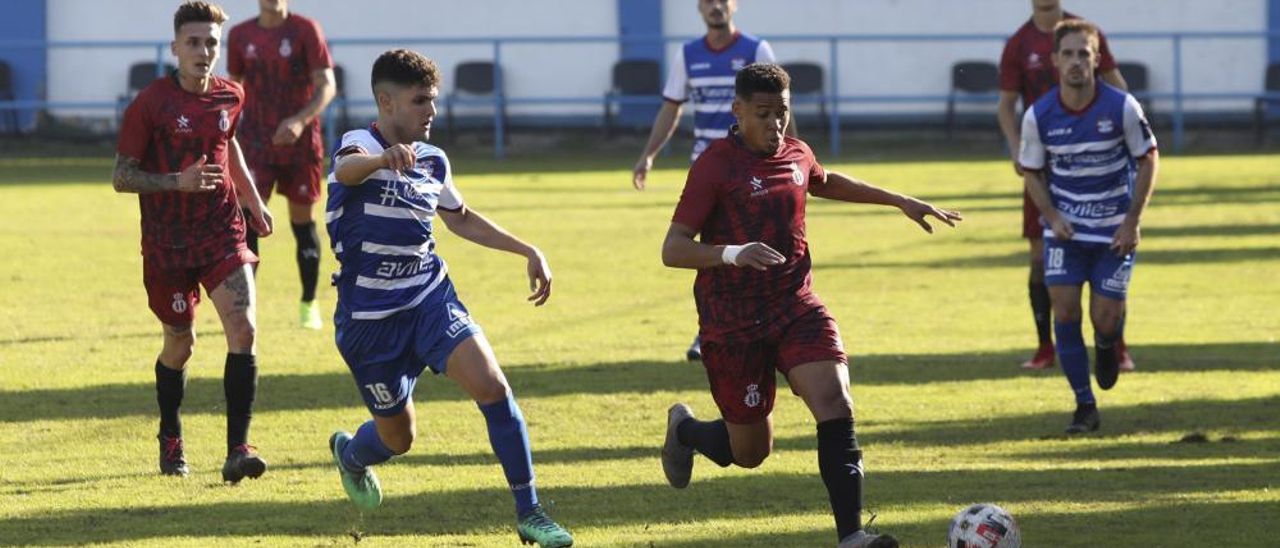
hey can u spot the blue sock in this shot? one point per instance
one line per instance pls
(1074, 359)
(365, 449)
(510, 441)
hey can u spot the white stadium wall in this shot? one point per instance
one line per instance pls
(582, 70)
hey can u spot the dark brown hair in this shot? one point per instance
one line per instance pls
(198, 12)
(761, 77)
(405, 67)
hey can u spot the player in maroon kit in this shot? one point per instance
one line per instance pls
(746, 195)
(178, 152)
(283, 62)
(1026, 71)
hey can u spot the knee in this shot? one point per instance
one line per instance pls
(752, 457)
(492, 391)
(399, 440)
(833, 405)
(1106, 321)
(178, 349)
(241, 334)
(1066, 313)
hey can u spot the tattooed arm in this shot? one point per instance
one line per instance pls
(198, 177)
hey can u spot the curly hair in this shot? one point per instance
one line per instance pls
(761, 77)
(405, 67)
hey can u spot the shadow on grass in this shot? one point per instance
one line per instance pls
(336, 390)
(1019, 259)
(744, 494)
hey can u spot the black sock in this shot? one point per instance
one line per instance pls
(240, 385)
(840, 463)
(250, 236)
(1105, 349)
(171, 385)
(308, 256)
(1041, 310)
(711, 438)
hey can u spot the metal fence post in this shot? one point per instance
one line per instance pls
(1177, 93)
(499, 132)
(833, 123)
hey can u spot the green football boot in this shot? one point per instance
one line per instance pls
(537, 527)
(363, 489)
(309, 315)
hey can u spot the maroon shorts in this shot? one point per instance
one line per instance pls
(299, 183)
(742, 375)
(172, 292)
(1031, 227)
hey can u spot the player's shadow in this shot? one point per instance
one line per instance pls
(737, 494)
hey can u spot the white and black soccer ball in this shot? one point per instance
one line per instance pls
(984, 526)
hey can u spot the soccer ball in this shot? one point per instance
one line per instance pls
(984, 526)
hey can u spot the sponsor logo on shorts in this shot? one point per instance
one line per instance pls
(1119, 281)
(753, 396)
(461, 320)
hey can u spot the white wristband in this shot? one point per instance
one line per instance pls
(730, 254)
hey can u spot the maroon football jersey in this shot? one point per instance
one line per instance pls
(1026, 66)
(732, 197)
(275, 66)
(167, 129)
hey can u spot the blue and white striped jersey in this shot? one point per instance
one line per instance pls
(706, 76)
(381, 229)
(1088, 157)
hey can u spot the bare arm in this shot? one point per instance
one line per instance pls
(1128, 235)
(260, 217)
(291, 128)
(1114, 78)
(847, 189)
(352, 169)
(478, 229)
(663, 126)
(1038, 189)
(198, 177)
(1007, 116)
(679, 250)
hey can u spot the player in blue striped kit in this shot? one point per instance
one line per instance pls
(1090, 162)
(703, 71)
(397, 311)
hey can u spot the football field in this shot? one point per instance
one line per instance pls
(935, 325)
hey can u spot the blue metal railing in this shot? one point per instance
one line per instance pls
(834, 96)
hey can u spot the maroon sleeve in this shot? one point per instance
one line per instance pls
(238, 112)
(235, 53)
(317, 49)
(1106, 63)
(701, 189)
(135, 129)
(1011, 66)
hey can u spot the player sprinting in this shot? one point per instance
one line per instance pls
(283, 62)
(1027, 71)
(746, 196)
(703, 72)
(178, 152)
(1089, 161)
(397, 310)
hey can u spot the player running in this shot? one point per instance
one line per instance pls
(283, 62)
(746, 195)
(1027, 71)
(178, 152)
(1085, 145)
(703, 71)
(397, 310)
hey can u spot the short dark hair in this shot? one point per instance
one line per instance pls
(1073, 26)
(405, 67)
(761, 77)
(198, 12)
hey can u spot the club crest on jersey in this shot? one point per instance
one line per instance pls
(286, 49)
(224, 120)
(251, 51)
(1033, 60)
(1105, 125)
(797, 176)
(737, 63)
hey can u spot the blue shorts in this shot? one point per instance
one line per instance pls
(1074, 262)
(386, 356)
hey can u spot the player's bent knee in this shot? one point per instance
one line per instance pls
(399, 441)
(752, 457)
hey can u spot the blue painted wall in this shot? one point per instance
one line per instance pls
(1273, 25)
(24, 21)
(638, 18)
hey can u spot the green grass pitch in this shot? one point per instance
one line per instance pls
(935, 326)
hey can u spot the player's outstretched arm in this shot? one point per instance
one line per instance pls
(197, 177)
(477, 228)
(352, 168)
(242, 178)
(847, 189)
(663, 126)
(679, 250)
(1127, 236)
